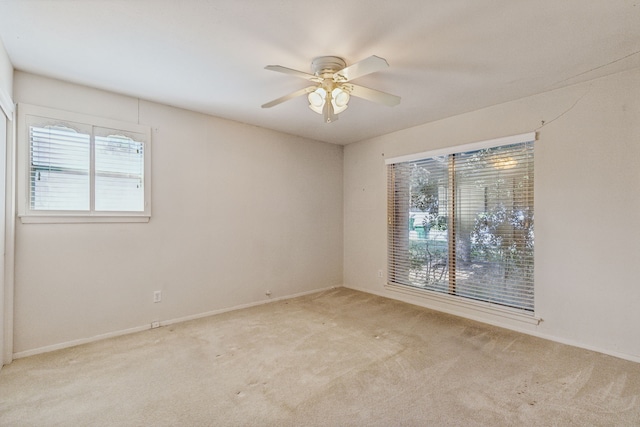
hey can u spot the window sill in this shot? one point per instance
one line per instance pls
(71, 219)
(457, 304)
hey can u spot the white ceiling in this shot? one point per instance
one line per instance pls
(446, 56)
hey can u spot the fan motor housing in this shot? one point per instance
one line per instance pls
(327, 65)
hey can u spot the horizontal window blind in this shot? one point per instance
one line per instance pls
(119, 179)
(59, 169)
(462, 224)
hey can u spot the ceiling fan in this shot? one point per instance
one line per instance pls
(332, 88)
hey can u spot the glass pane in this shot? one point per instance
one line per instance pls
(428, 224)
(119, 174)
(59, 169)
(494, 225)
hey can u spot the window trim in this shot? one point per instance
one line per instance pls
(473, 146)
(27, 215)
(456, 303)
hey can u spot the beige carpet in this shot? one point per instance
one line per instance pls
(336, 358)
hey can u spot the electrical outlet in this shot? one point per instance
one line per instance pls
(380, 274)
(157, 296)
(155, 324)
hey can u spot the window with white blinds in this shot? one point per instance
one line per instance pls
(59, 168)
(461, 223)
(79, 166)
(119, 173)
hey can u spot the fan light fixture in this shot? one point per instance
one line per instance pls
(317, 100)
(332, 89)
(338, 100)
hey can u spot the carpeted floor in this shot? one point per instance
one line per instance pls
(336, 358)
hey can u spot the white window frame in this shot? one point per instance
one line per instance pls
(450, 303)
(26, 113)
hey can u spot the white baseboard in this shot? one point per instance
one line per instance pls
(80, 341)
(100, 337)
(240, 307)
(505, 325)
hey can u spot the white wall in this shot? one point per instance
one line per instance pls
(6, 294)
(587, 199)
(269, 215)
(237, 210)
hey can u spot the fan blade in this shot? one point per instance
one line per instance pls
(292, 72)
(373, 95)
(280, 100)
(359, 69)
